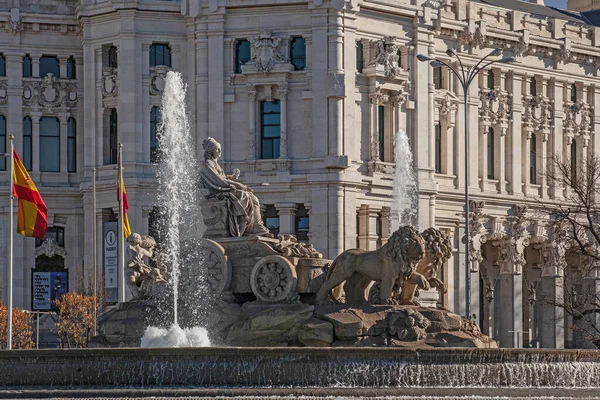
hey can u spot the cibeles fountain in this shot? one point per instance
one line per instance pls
(237, 285)
(239, 313)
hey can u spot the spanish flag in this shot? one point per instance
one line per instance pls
(121, 184)
(32, 220)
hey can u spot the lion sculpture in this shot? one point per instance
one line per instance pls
(394, 261)
(438, 250)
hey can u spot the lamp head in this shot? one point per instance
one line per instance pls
(496, 52)
(451, 52)
(422, 57)
(436, 63)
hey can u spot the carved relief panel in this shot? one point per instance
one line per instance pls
(50, 93)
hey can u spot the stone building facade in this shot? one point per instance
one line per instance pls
(305, 98)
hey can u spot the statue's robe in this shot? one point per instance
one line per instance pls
(243, 208)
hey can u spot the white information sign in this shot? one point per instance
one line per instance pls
(111, 280)
(42, 299)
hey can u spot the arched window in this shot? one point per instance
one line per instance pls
(27, 66)
(491, 154)
(533, 159)
(113, 138)
(71, 68)
(160, 54)
(359, 56)
(533, 87)
(242, 54)
(71, 145)
(49, 144)
(270, 129)
(27, 143)
(573, 161)
(490, 79)
(2, 142)
(154, 123)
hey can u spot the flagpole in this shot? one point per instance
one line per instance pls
(95, 239)
(121, 294)
(10, 246)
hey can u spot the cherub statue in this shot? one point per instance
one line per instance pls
(140, 248)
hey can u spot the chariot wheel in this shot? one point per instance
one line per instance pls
(217, 266)
(273, 279)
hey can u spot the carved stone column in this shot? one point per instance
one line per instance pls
(363, 227)
(287, 217)
(376, 99)
(251, 89)
(63, 142)
(283, 92)
(35, 64)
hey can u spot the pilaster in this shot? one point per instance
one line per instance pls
(287, 217)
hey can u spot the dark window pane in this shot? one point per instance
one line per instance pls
(381, 134)
(298, 53)
(271, 107)
(2, 65)
(49, 144)
(573, 161)
(2, 142)
(271, 119)
(573, 93)
(276, 148)
(399, 54)
(490, 79)
(72, 145)
(27, 143)
(113, 136)
(71, 68)
(270, 132)
(27, 66)
(270, 129)
(533, 159)
(533, 87)
(154, 145)
(49, 65)
(438, 149)
(437, 77)
(267, 149)
(160, 54)
(491, 153)
(242, 54)
(359, 56)
(112, 57)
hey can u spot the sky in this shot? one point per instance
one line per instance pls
(556, 3)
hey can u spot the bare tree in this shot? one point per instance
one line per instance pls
(574, 214)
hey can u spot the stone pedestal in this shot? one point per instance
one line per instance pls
(428, 298)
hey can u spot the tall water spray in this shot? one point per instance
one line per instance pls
(178, 196)
(404, 203)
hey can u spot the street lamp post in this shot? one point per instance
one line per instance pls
(465, 76)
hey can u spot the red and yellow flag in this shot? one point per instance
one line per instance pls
(126, 228)
(32, 220)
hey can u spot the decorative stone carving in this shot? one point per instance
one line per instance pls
(438, 249)
(435, 4)
(50, 248)
(522, 47)
(273, 280)
(386, 54)
(553, 249)
(265, 52)
(496, 109)
(50, 93)
(538, 115)
(289, 246)
(392, 264)
(473, 38)
(13, 25)
(477, 233)
(110, 86)
(157, 81)
(578, 120)
(446, 104)
(511, 246)
(141, 277)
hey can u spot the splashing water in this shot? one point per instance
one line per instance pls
(178, 195)
(175, 337)
(404, 203)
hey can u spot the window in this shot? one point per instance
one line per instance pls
(399, 54)
(49, 65)
(573, 161)
(379, 230)
(490, 79)
(27, 66)
(113, 129)
(533, 87)
(573, 93)
(270, 129)
(154, 123)
(2, 65)
(242, 54)
(491, 154)
(381, 133)
(55, 233)
(71, 68)
(302, 223)
(533, 160)
(298, 53)
(160, 54)
(359, 56)
(157, 224)
(49, 144)
(112, 57)
(271, 220)
(437, 77)
(27, 143)
(2, 142)
(71, 145)
(438, 149)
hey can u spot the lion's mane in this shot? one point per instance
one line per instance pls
(437, 244)
(398, 247)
